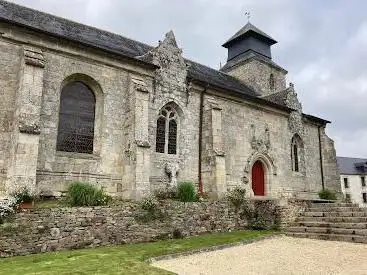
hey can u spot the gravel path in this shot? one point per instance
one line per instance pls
(279, 255)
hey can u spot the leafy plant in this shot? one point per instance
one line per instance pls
(22, 195)
(186, 191)
(166, 193)
(150, 205)
(177, 234)
(7, 208)
(326, 194)
(236, 197)
(261, 215)
(85, 194)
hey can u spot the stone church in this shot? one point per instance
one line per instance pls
(83, 104)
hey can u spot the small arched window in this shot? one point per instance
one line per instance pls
(76, 119)
(166, 136)
(271, 82)
(297, 153)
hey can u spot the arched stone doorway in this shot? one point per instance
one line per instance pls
(258, 179)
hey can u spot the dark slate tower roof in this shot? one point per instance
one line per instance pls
(249, 30)
(249, 39)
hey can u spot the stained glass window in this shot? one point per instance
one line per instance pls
(172, 137)
(161, 135)
(166, 137)
(76, 119)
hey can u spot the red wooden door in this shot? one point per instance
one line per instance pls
(258, 185)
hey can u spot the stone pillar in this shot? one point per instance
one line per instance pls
(213, 172)
(141, 136)
(218, 150)
(25, 136)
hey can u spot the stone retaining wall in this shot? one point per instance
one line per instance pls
(41, 230)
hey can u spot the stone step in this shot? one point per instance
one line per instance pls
(335, 214)
(330, 237)
(335, 209)
(339, 204)
(328, 230)
(332, 219)
(359, 225)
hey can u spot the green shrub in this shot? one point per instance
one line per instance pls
(326, 194)
(166, 193)
(149, 204)
(22, 195)
(236, 197)
(186, 191)
(85, 194)
(261, 215)
(151, 210)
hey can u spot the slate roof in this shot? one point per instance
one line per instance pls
(249, 29)
(120, 45)
(248, 55)
(352, 166)
(278, 97)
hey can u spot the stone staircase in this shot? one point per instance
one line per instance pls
(331, 221)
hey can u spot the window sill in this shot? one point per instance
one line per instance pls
(75, 155)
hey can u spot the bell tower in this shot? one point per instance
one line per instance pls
(250, 60)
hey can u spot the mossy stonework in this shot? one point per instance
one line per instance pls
(41, 230)
(222, 121)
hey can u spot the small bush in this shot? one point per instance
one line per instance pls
(261, 215)
(186, 191)
(236, 197)
(326, 194)
(149, 204)
(151, 210)
(166, 193)
(22, 195)
(85, 194)
(177, 234)
(7, 208)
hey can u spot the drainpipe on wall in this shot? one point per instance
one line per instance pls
(321, 163)
(201, 137)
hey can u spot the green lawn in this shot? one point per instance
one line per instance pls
(122, 259)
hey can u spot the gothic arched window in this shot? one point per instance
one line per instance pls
(297, 153)
(166, 136)
(76, 119)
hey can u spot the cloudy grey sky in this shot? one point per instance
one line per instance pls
(323, 45)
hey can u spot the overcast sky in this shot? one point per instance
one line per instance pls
(323, 45)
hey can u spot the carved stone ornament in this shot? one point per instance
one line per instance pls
(260, 143)
(34, 57)
(172, 169)
(140, 85)
(32, 129)
(143, 143)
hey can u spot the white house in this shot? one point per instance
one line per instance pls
(353, 174)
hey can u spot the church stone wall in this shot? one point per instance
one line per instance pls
(128, 100)
(171, 87)
(10, 58)
(242, 124)
(256, 74)
(106, 165)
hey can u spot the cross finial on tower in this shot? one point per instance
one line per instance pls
(248, 14)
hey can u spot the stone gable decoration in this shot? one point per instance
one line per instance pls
(172, 169)
(295, 118)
